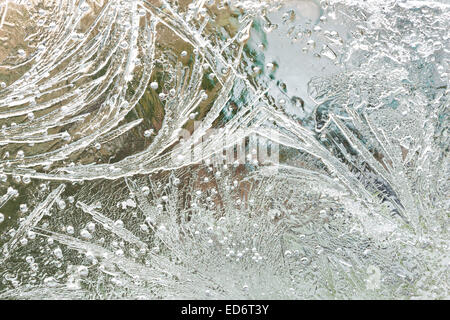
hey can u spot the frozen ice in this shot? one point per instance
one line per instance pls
(258, 149)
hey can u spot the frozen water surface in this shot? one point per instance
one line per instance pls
(289, 149)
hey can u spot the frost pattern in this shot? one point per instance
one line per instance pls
(106, 194)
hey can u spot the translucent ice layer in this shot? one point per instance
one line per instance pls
(224, 149)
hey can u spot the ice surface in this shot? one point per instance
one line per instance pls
(224, 149)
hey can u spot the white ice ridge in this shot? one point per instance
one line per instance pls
(110, 225)
(31, 221)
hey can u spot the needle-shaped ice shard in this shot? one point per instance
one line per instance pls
(110, 225)
(8, 195)
(31, 221)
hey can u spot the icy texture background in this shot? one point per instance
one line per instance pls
(98, 202)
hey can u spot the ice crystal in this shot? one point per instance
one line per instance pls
(273, 149)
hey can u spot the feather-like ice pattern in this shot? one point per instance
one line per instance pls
(257, 149)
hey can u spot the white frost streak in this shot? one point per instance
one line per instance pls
(108, 224)
(32, 220)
